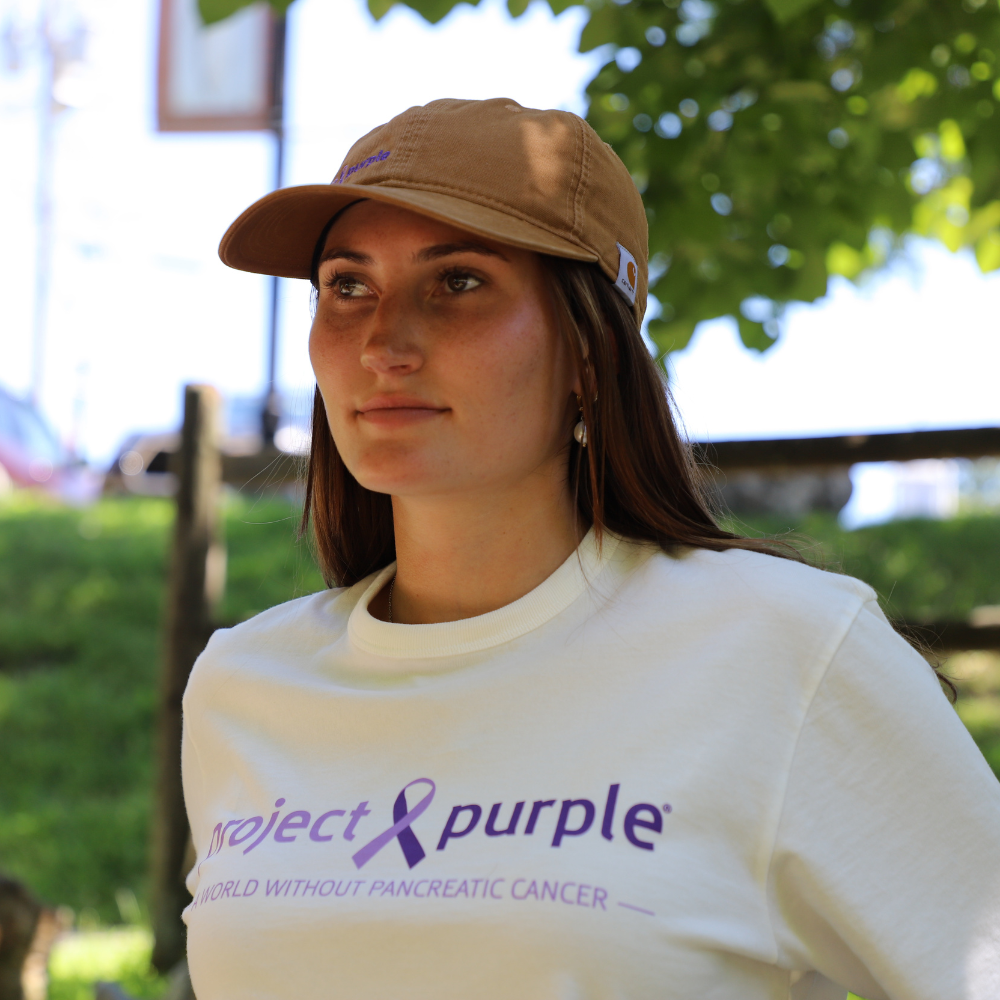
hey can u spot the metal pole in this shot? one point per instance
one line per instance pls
(271, 412)
(43, 208)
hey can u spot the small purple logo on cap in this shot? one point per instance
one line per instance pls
(345, 173)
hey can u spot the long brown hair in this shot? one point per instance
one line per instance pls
(637, 477)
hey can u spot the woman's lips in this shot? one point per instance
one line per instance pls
(398, 411)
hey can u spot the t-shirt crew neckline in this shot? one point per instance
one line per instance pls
(470, 635)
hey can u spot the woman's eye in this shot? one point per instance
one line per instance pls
(462, 282)
(349, 288)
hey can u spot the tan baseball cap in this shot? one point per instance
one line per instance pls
(540, 180)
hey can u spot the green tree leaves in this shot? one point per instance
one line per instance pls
(784, 10)
(213, 11)
(811, 129)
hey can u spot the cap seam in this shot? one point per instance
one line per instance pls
(583, 182)
(574, 184)
(409, 140)
(485, 202)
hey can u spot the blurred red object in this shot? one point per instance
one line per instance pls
(31, 455)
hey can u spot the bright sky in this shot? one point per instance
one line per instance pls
(140, 303)
(917, 346)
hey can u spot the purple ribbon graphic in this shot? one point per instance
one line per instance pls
(412, 850)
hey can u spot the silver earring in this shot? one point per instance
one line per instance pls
(580, 431)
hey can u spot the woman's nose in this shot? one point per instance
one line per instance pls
(392, 342)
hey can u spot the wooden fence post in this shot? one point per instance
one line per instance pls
(197, 576)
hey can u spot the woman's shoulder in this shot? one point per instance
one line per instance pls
(780, 620)
(743, 583)
(280, 636)
(323, 612)
(743, 568)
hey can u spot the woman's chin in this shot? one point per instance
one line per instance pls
(402, 477)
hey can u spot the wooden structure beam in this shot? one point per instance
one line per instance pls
(197, 577)
(271, 467)
(848, 449)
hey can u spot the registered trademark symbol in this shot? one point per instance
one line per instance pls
(667, 807)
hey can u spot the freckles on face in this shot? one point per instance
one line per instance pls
(437, 355)
(511, 373)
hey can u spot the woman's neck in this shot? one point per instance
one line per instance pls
(466, 555)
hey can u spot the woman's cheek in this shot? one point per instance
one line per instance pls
(317, 350)
(330, 362)
(514, 394)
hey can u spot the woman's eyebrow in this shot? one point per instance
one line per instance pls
(447, 249)
(342, 253)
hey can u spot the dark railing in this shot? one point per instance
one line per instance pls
(848, 449)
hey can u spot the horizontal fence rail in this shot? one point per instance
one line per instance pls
(273, 468)
(261, 470)
(955, 636)
(904, 446)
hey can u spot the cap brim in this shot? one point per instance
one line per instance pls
(277, 234)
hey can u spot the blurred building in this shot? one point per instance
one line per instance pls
(792, 491)
(886, 491)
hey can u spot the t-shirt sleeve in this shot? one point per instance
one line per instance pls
(194, 787)
(885, 874)
(205, 677)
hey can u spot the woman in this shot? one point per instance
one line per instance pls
(554, 733)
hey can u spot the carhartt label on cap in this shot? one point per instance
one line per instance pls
(628, 274)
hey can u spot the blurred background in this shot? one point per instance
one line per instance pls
(824, 203)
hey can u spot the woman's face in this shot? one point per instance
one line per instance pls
(438, 357)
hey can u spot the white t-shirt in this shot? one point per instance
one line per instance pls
(718, 776)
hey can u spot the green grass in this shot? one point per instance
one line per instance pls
(977, 675)
(118, 955)
(81, 599)
(922, 570)
(81, 596)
